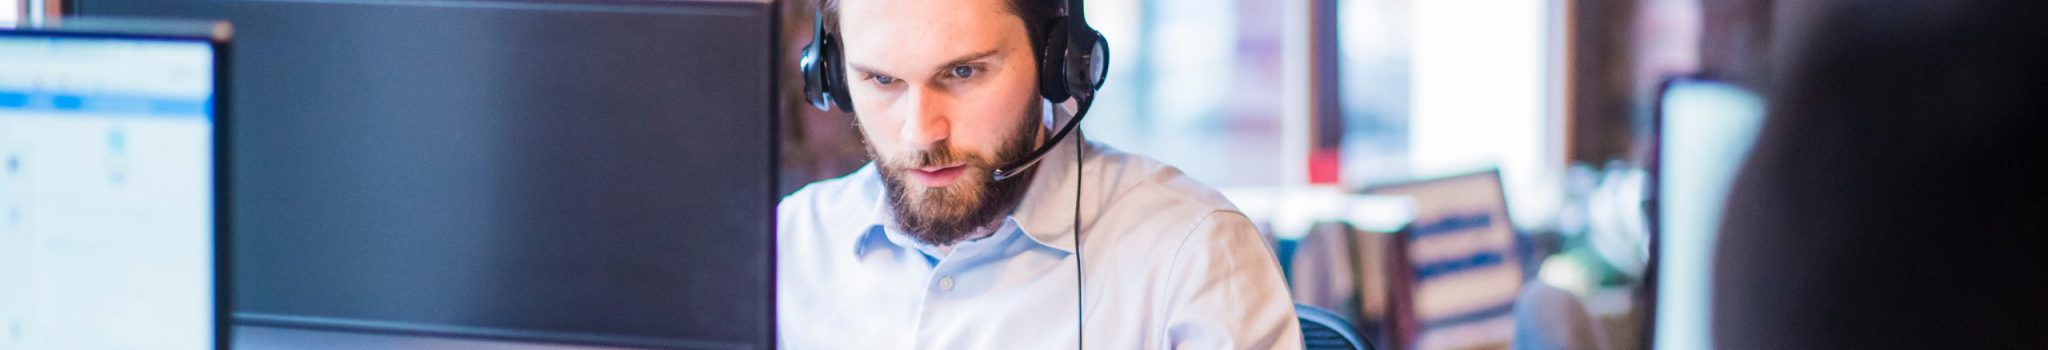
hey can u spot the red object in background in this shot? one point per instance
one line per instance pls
(1324, 166)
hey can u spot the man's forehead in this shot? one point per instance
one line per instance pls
(908, 33)
(897, 10)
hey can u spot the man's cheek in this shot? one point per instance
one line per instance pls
(878, 126)
(988, 134)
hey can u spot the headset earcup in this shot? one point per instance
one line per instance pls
(811, 66)
(835, 76)
(1086, 63)
(824, 77)
(814, 92)
(1052, 65)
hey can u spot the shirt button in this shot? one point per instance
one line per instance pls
(946, 283)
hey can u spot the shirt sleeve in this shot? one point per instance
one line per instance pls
(1226, 290)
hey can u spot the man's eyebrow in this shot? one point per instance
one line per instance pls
(963, 59)
(860, 71)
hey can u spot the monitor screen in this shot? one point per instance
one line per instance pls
(106, 193)
(1707, 128)
(594, 173)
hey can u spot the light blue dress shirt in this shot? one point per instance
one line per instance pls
(1169, 264)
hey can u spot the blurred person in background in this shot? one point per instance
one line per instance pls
(1903, 164)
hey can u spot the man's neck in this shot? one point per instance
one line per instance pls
(979, 234)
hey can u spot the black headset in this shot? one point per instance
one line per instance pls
(1074, 65)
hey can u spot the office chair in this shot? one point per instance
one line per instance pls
(1323, 330)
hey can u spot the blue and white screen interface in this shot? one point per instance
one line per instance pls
(106, 193)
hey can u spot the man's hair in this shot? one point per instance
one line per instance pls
(1037, 16)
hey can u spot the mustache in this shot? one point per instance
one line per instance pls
(938, 155)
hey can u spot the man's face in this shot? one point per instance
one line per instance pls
(946, 92)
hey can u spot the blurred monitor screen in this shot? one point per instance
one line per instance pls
(106, 192)
(1706, 130)
(581, 172)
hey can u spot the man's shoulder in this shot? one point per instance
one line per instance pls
(1147, 182)
(831, 193)
(820, 206)
(1187, 230)
(1163, 198)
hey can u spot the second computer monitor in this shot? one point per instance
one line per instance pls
(561, 171)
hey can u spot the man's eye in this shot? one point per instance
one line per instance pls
(963, 72)
(883, 79)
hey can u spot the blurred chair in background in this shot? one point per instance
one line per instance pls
(1324, 271)
(1401, 288)
(1901, 167)
(1456, 268)
(1324, 330)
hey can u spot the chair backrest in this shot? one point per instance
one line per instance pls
(1323, 330)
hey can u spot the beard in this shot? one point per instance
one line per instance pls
(947, 215)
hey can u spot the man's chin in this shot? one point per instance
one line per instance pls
(952, 194)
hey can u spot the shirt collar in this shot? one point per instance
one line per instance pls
(1045, 214)
(870, 228)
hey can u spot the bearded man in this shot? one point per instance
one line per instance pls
(927, 247)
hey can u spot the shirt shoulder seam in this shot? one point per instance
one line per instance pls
(1173, 273)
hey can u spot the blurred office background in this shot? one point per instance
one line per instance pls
(1299, 109)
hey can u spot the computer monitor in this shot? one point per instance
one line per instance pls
(1704, 130)
(579, 172)
(109, 149)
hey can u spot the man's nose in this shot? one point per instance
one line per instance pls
(925, 123)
